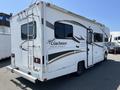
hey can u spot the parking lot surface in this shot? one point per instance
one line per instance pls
(103, 76)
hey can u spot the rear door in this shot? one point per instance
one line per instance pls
(27, 46)
(26, 30)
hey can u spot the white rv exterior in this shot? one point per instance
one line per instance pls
(48, 42)
(5, 37)
(115, 37)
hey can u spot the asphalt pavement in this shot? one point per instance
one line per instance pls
(103, 76)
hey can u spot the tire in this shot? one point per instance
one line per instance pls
(105, 56)
(80, 68)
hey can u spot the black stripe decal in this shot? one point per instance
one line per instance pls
(81, 38)
(52, 56)
(75, 23)
(50, 25)
(98, 45)
(57, 56)
(74, 39)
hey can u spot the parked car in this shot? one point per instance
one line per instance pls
(113, 47)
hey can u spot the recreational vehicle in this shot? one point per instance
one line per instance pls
(5, 38)
(114, 44)
(49, 42)
(115, 37)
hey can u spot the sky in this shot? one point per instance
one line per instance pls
(103, 11)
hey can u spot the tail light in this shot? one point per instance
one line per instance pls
(37, 60)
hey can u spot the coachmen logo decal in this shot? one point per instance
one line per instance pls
(53, 42)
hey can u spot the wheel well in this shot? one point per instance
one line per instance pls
(83, 62)
(105, 55)
(106, 52)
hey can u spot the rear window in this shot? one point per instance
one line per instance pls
(28, 31)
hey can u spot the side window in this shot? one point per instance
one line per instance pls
(28, 31)
(63, 31)
(98, 37)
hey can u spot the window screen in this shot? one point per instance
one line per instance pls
(28, 31)
(63, 31)
(98, 37)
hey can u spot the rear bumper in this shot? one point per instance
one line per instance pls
(22, 74)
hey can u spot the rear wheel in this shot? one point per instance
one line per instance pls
(105, 56)
(80, 68)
